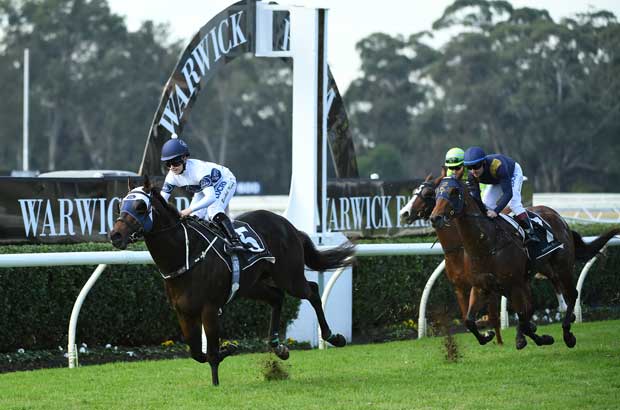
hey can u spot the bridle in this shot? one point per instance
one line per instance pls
(429, 200)
(142, 222)
(457, 203)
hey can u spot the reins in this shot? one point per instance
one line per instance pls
(189, 264)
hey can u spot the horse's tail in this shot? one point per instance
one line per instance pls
(585, 252)
(337, 257)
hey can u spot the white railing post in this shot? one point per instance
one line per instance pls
(71, 347)
(582, 278)
(504, 321)
(424, 300)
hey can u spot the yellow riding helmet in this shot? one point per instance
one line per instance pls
(454, 157)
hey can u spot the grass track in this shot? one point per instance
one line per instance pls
(397, 375)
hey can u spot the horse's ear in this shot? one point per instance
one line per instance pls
(130, 185)
(459, 173)
(147, 183)
(428, 177)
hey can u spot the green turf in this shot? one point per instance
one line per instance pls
(398, 375)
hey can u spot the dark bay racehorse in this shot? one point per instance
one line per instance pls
(458, 268)
(500, 261)
(198, 294)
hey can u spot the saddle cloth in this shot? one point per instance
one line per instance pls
(548, 243)
(215, 240)
(255, 251)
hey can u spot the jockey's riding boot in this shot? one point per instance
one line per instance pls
(224, 222)
(526, 223)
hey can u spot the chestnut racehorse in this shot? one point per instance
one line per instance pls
(458, 269)
(499, 259)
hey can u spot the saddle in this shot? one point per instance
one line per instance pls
(216, 241)
(255, 246)
(548, 242)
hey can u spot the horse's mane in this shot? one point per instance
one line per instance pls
(155, 193)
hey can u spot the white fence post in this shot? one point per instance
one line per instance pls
(71, 347)
(424, 300)
(582, 278)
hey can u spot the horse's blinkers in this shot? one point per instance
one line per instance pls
(445, 190)
(429, 201)
(137, 204)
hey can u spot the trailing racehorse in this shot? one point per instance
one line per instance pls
(500, 260)
(198, 278)
(458, 269)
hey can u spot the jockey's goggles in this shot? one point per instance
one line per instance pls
(455, 167)
(475, 166)
(174, 162)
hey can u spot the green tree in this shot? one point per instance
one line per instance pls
(519, 83)
(382, 102)
(91, 81)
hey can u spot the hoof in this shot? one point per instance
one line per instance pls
(281, 351)
(487, 337)
(546, 340)
(336, 339)
(570, 340)
(521, 343)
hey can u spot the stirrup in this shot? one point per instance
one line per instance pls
(235, 246)
(531, 237)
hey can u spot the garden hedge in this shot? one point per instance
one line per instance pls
(387, 290)
(128, 306)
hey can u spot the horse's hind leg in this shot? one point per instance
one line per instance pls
(275, 298)
(314, 298)
(570, 293)
(477, 299)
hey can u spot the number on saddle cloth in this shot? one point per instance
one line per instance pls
(252, 241)
(549, 242)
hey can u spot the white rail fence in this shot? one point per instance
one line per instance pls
(582, 207)
(102, 259)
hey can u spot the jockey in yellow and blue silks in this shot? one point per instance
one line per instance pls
(505, 177)
(454, 162)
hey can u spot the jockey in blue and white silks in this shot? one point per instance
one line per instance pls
(505, 179)
(211, 184)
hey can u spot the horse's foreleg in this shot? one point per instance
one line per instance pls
(192, 333)
(463, 301)
(477, 299)
(313, 296)
(522, 303)
(214, 355)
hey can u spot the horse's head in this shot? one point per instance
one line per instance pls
(422, 201)
(137, 210)
(449, 200)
